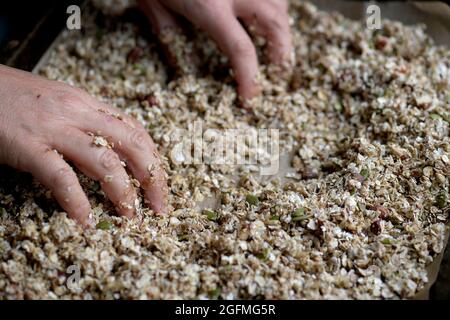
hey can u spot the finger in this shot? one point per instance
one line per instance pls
(134, 145)
(166, 27)
(52, 171)
(102, 164)
(272, 19)
(82, 105)
(116, 113)
(218, 20)
(159, 17)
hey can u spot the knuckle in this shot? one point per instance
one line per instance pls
(109, 160)
(278, 5)
(64, 177)
(71, 96)
(80, 211)
(194, 7)
(284, 4)
(277, 20)
(129, 196)
(277, 24)
(132, 122)
(76, 91)
(139, 139)
(68, 99)
(243, 47)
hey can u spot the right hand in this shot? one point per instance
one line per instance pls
(219, 18)
(40, 116)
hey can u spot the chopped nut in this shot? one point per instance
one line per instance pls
(375, 227)
(100, 141)
(135, 183)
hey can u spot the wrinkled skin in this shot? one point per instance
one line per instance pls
(39, 116)
(43, 123)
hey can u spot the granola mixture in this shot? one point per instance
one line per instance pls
(364, 116)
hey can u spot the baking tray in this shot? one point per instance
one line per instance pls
(434, 14)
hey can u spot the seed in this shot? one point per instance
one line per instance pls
(252, 199)
(435, 116)
(298, 215)
(264, 255)
(142, 69)
(99, 34)
(211, 215)
(441, 200)
(104, 225)
(3, 211)
(215, 294)
(364, 173)
(338, 106)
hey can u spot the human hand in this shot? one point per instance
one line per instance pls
(219, 18)
(39, 117)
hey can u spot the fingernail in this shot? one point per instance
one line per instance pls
(88, 222)
(159, 208)
(126, 210)
(245, 104)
